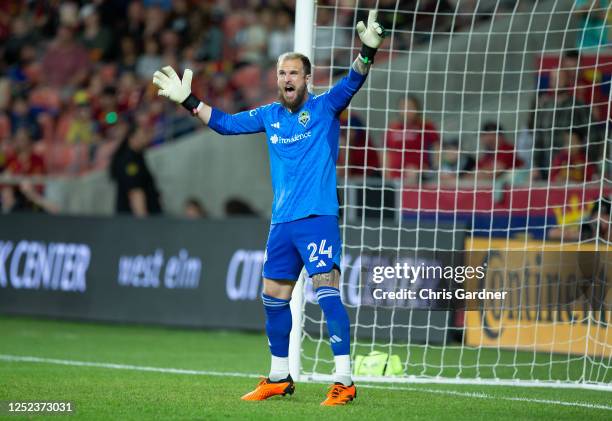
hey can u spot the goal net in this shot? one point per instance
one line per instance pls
(480, 140)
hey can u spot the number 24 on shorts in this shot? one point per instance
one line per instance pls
(312, 247)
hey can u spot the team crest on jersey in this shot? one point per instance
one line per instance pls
(304, 118)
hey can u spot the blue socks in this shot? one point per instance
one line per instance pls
(338, 324)
(278, 329)
(278, 324)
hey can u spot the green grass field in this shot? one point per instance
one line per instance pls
(197, 390)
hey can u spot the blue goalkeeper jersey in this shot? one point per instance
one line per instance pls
(303, 148)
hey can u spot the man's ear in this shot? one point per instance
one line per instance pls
(308, 79)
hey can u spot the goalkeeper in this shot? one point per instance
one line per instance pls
(302, 133)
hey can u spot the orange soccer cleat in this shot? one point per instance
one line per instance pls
(266, 389)
(340, 394)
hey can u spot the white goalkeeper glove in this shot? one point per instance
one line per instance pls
(371, 36)
(179, 91)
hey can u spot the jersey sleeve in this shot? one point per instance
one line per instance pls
(239, 123)
(340, 95)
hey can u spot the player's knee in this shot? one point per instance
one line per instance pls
(329, 279)
(278, 289)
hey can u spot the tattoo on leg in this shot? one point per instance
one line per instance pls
(329, 279)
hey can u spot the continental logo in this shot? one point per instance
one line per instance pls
(557, 301)
(544, 287)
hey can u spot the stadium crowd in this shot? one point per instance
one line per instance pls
(75, 80)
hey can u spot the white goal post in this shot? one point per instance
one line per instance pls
(482, 136)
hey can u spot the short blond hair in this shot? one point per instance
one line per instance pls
(296, 56)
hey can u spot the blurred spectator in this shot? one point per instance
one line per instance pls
(238, 207)
(210, 42)
(281, 38)
(106, 149)
(587, 84)
(222, 94)
(65, 63)
(82, 129)
(326, 37)
(128, 92)
(170, 43)
(596, 226)
(137, 193)
(22, 116)
(525, 139)
(160, 121)
(150, 61)
(128, 57)
(193, 209)
(432, 16)
(570, 164)
(450, 163)
(179, 20)
(590, 88)
(252, 40)
(557, 112)
(355, 154)
(408, 142)
(21, 72)
(496, 153)
(69, 14)
(23, 161)
(154, 21)
(106, 109)
(21, 36)
(594, 21)
(96, 38)
(133, 26)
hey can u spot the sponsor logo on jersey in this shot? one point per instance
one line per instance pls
(276, 125)
(321, 264)
(252, 113)
(304, 118)
(285, 140)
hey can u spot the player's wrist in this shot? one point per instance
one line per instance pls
(366, 55)
(192, 104)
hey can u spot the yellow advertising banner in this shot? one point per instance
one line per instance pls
(559, 297)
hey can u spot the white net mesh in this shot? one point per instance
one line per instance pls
(482, 128)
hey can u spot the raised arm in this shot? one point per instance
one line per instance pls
(179, 91)
(371, 37)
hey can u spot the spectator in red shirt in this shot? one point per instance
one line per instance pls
(497, 153)
(66, 62)
(589, 87)
(586, 85)
(408, 142)
(570, 164)
(23, 161)
(355, 154)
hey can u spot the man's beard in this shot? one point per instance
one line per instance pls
(295, 104)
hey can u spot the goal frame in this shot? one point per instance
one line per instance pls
(303, 43)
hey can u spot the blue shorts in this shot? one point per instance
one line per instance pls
(313, 242)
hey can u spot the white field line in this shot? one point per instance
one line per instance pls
(477, 395)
